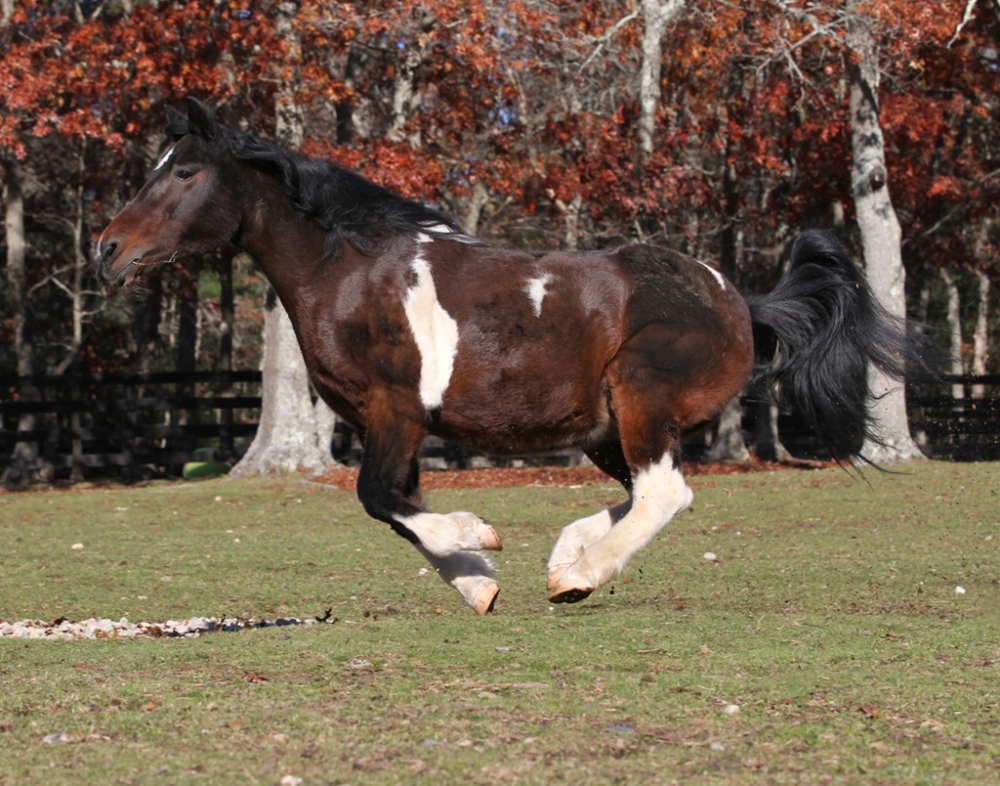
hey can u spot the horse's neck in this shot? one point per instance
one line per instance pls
(284, 244)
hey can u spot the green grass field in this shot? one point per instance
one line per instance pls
(826, 644)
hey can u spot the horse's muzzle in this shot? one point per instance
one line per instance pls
(104, 255)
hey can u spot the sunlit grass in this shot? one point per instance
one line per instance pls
(829, 619)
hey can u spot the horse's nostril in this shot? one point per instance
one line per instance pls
(104, 255)
(108, 252)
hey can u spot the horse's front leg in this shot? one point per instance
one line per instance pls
(388, 487)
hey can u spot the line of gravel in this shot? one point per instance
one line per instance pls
(67, 630)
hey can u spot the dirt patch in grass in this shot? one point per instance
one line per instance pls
(346, 479)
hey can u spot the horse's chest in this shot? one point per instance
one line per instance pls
(359, 349)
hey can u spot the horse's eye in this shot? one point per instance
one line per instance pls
(183, 174)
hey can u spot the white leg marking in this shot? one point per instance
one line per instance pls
(578, 536)
(165, 158)
(659, 493)
(718, 276)
(536, 289)
(469, 573)
(435, 332)
(444, 534)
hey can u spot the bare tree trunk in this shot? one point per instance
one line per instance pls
(954, 319)
(478, 198)
(293, 434)
(75, 290)
(572, 221)
(286, 439)
(404, 96)
(881, 235)
(656, 15)
(24, 453)
(727, 442)
(980, 338)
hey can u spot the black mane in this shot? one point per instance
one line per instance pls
(344, 204)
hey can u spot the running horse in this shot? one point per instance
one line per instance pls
(410, 327)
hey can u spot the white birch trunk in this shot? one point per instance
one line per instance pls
(954, 319)
(881, 235)
(286, 439)
(17, 295)
(656, 15)
(981, 336)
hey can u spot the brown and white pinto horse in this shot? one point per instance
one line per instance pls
(409, 327)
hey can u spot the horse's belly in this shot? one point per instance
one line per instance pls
(523, 416)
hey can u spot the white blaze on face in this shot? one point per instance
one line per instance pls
(165, 158)
(435, 332)
(536, 289)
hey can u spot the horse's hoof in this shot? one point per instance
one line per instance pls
(489, 539)
(570, 591)
(555, 576)
(486, 598)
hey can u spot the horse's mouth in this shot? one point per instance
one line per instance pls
(130, 281)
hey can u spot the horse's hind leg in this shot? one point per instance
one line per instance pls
(659, 381)
(658, 495)
(388, 487)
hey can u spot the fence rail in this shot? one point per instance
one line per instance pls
(132, 425)
(965, 428)
(127, 424)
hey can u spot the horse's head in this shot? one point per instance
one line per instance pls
(186, 207)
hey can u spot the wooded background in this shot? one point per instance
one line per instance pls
(721, 129)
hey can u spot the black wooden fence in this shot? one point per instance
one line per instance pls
(135, 425)
(129, 424)
(965, 428)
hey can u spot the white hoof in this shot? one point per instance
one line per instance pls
(555, 576)
(489, 538)
(480, 592)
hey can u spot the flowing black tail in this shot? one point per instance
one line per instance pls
(814, 336)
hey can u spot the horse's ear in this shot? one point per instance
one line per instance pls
(200, 120)
(177, 124)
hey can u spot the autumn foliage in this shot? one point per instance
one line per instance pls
(518, 118)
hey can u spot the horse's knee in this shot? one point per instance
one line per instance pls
(387, 505)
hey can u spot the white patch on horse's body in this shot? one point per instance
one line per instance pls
(439, 229)
(164, 158)
(435, 332)
(445, 232)
(536, 289)
(718, 276)
(658, 494)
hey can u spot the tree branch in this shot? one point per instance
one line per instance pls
(604, 39)
(966, 18)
